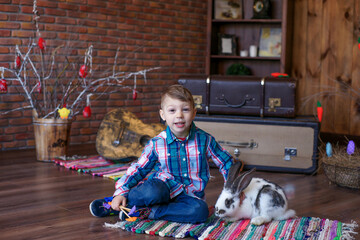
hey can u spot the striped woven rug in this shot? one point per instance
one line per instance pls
(95, 165)
(215, 228)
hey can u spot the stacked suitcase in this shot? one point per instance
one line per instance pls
(254, 119)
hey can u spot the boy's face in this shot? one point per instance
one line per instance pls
(178, 116)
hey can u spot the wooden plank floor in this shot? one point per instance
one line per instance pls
(43, 201)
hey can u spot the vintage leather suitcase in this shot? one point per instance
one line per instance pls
(270, 144)
(242, 95)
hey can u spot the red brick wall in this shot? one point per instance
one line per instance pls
(171, 35)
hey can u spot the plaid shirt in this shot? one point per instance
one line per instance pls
(182, 165)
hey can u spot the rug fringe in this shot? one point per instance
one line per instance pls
(349, 230)
(115, 225)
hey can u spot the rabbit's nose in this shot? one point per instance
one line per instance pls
(219, 211)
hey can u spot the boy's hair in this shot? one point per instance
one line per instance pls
(178, 92)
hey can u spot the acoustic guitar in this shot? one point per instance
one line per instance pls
(122, 136)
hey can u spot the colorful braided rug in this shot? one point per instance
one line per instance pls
(95, 165)
(215, 228)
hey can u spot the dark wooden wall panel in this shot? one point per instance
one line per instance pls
(355, 116)
(325, 56)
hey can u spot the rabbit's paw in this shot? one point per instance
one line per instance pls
(259, 220)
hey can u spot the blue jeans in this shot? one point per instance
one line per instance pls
(155, 194)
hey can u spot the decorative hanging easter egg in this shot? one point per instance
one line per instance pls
(83, 71)
(17, 62)
(3, 86)
(64, 113)
(134, 94)
(41, 43)
(328, 149)
(38, 87)
(350, 147)
(87, 112)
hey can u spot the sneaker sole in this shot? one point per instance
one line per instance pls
(92, 213)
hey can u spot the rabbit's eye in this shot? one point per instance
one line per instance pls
(228, 202)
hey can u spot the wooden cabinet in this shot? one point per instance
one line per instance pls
(247, 31)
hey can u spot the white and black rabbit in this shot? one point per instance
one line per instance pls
(244, 197)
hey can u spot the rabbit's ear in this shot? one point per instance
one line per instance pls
(242, 181)
(234, 172)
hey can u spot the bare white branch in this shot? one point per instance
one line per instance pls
(16, 109)
(77, 87)
(45, 83)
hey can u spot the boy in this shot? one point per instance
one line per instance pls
(179, 155)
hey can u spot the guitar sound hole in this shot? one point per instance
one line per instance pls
(144, 140)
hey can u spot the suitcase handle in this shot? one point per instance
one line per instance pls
(223, 99)
(252, 144)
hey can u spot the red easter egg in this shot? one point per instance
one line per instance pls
(83, 71)
(87, 112)
(3, 86)
(359, 45)
(41, 43)
(134, 94)
(38, 87)
(17, 62)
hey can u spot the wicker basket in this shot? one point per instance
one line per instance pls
(341, 175)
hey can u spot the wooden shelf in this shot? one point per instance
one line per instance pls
(247, 32)
(248, 21)
(246, 58)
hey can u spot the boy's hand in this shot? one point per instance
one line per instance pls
(117, 202)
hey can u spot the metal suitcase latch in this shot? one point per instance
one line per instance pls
(198, 101)
(289, 152)
(274, 102)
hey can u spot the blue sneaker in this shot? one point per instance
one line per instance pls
(101, 208)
